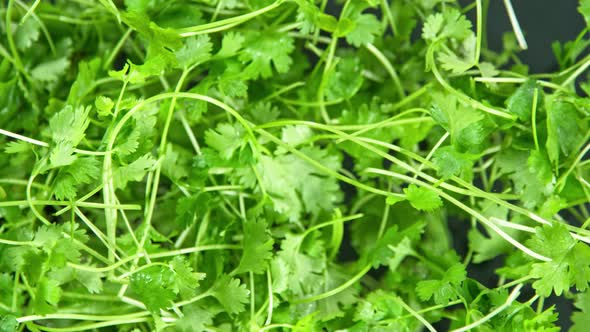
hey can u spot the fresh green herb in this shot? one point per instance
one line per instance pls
(258, 165)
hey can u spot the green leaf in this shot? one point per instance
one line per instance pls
(345, 80)
(258, 245)
(456, 24)
(231, 44)
(364, 30)
(443, 290)
(520, 102)
(569, 265)
(134, 171)
(226, 139)
(195, 50)
(432, 26)
(457, 65)
(468, 127)
(195, 319)
(47, 296)
(27, 34)
(581, 318)
(296, 135)
(81, 171)
(422, 199)
(62, 154)
(8, 324)
(188, 209)
(451, 163)
(379, 305)
(104, 105)
(394, 245)
(50, 71)
(153, 287)
(84, 83)
(92, 281)
(565, 130)
(69, 125)
(584, 9)
(186, 281)
(231, 294)
(309, 191)
(448, 24)
(17, 147)
(263, 52)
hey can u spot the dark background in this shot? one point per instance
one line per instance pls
(542, 21)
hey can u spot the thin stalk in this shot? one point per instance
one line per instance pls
(511, 298)
(515, 25)
(388, 67)
(227, 23)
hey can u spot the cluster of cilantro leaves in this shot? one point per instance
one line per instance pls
(257, 165)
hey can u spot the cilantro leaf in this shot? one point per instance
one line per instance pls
(47, 296)
(195, 319)
(433, 26)
(231, 44)
(69, 125)
(422, 199)
(581, 318)
(584, 9)
(194, 51)
(188, 209)
(309, 191)
(565, 130)
(450, 163)
(262, 53)
(257, 248)
(104, 105)
(448, 24)
(230, 293)
(8, 324)
(345, 80)
(468, 127)
(365, 26)
(27, 34)
(569, 261)
(50, 71)
(226, 139)
(443, 290)
(185, 280)
(520, 102)
(135, 171)
(153, 287)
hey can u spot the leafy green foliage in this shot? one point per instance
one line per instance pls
(521, 101)
(364, 26)
(451, 163)
(422, 198)
(448, 24)
(569, 261)
(580, 318)
(8, 324)
(443, 290)
(230, 293)
(257, 248)
(565, 130)
(153, 286)
(248, 165)
(264, 53)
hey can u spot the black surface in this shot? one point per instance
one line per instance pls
(542, 21)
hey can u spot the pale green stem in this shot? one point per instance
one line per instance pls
(511, 298)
